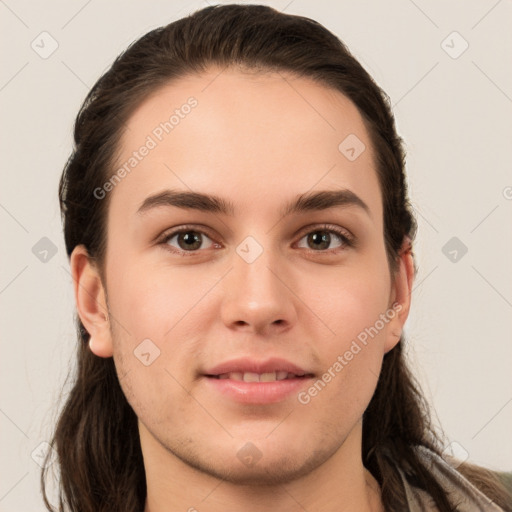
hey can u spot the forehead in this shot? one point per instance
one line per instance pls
(258, 138)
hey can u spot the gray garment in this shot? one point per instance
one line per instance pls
(461, 493)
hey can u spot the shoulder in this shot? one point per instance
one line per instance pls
(461, 493)
(506, 479)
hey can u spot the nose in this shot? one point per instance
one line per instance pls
(258, 296)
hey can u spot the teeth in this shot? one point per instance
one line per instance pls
(257, 377)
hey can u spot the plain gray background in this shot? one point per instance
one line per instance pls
(453, 107)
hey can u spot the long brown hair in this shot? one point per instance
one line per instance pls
(96, 437)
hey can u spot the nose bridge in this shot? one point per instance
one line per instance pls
(255, 268)
(255, 293)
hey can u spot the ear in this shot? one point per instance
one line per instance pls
(90, 299)
(400, 297)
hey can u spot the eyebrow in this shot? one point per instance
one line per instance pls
(307, 202)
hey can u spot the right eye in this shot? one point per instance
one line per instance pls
(187, 240)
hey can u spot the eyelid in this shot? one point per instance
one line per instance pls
(342, 232)
(169, 233)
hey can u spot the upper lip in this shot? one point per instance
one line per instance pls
(246, 364)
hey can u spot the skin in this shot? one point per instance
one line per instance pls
(257, 140)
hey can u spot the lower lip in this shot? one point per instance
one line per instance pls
(258, 392)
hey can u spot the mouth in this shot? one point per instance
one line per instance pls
(247, 380)
(260, 377)
(248, 388)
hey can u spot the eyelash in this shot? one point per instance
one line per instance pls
(347, 239)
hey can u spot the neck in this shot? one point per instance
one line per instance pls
(340, 484)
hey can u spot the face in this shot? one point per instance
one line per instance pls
(193, 284)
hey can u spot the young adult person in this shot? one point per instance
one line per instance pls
(240, 238)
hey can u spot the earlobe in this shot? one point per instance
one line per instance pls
(90, 300)
(401, 295)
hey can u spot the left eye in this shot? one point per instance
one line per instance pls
(321, 238)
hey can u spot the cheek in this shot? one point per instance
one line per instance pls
(349, 301)
(340, 395)
(352, 306)
(147, 313)
(152, 391)
(348, 379)
(151, 300)
(356, 385)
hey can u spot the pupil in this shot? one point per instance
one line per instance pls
(322, 239)
(191, 240)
